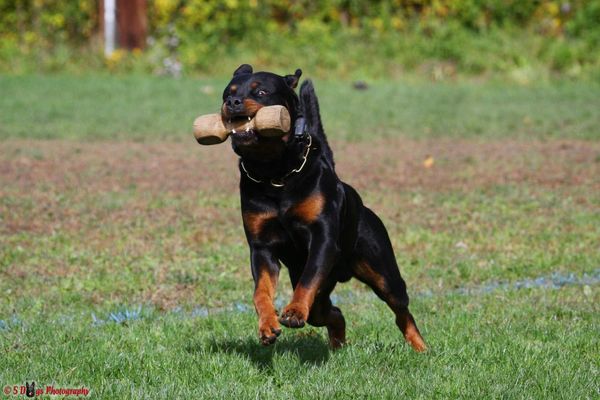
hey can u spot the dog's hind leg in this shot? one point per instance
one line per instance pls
(323, 313)
(376, 266)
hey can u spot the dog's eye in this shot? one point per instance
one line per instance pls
(262, 93)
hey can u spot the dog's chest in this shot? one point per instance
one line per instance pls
(283, 221)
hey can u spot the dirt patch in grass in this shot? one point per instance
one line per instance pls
(460, 164)
(380, 165)
(147, 207)
(53, 184)
(115, 166)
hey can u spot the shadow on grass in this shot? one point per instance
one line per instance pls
(311, 349)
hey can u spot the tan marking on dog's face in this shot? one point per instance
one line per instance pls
(233, 89)
(254, 221)
(310, 208)
(254, 85)
(252, 107)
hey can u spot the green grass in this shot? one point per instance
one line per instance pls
(526, 344)
(143, 108)
(162, 244)
(90, 229)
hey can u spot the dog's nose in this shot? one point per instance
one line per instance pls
(232, 101)
(234, 104)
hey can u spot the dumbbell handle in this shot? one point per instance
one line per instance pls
(269, 121)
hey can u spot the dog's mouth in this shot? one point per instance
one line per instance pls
(240, 129)
(238, 117)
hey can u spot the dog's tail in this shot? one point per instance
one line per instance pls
(310, 109)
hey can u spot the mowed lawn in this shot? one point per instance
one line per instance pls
(124, 268)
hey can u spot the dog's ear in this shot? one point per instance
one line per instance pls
(243, 69)
(292, 80)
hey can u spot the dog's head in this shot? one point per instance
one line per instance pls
(248, 92)
(30, 392)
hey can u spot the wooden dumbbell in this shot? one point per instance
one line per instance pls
(268, 121)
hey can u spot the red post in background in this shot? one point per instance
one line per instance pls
(132, 23)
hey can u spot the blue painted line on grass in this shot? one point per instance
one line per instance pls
(556, 280)
(120, 316)
(13, 322)
(124, 314)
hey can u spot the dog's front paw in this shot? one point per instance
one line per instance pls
(268, 330)
(294, 315)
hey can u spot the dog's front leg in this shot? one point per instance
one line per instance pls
(265, 270)
(322, 254)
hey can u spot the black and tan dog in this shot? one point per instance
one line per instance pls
(298, 212)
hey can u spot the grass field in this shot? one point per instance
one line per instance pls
(123, 266)
(138, 108)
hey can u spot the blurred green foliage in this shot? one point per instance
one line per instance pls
(438, 37)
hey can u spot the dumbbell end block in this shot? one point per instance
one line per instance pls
(209, 129)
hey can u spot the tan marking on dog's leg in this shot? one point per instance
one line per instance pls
(407, 325)
(295, 314)
(254, 221)
(264, 293)
(404, 319)
(365, 272)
